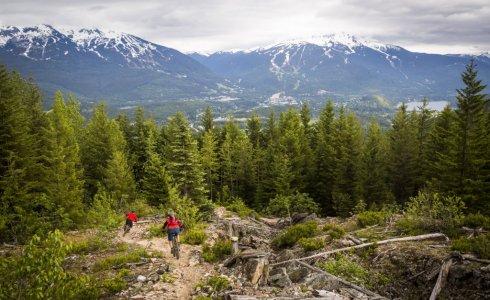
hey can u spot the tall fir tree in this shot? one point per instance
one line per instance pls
(209, 161)
(156, 181)
(322, 187)
(403, 155)
(347, 189)
(102, 138)
(472, 141)
(441, 148)
(182, 159)
(375, 174)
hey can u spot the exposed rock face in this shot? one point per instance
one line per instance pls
(279, 277)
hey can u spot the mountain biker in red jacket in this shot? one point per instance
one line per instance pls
(174, 225)
(130, 218)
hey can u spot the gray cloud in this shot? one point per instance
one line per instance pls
(209, 25)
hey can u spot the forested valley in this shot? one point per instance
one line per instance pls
(61, 172)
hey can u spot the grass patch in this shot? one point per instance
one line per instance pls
(334, 231)
(216, 282)
(477, 220)
(291, 235)
(116, 284)
(195, 235)
(88, 244)
(109, 262)
(167, 278)
(311, 244)
(239, 207)
(479, 245)
(343, 267)
(155, 231)
(217, 252)
(370, 218)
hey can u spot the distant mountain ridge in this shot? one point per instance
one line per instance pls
(342, 65)
(109, 65)
(126, 70)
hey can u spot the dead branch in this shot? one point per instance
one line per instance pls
(345, 282)
(404, 239)
(416, 275)
(441, 280)
(383, 253)
(353, 239)
(143, 222)
(130, 264)
(472, 258)
(364, 229)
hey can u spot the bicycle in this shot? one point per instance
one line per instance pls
(126, 229)
(175, 246)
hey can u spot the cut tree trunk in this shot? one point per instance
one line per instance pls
(441, 280)
(404, 239)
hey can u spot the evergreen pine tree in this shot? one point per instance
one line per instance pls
(472, 141)
(403, 155)
(182, 159)
(324, 160)
(375, 174)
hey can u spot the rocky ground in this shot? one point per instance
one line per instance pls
(407, 270)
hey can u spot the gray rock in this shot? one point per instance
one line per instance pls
(321, 281)
(141, 278)
(278, 277)
(254, 269)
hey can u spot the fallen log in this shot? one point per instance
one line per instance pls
(344, 282)
(404, 239)
(353, 239)
(130, 264)
(441, 280)
(472, 258)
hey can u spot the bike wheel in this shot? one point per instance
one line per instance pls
(177, 250)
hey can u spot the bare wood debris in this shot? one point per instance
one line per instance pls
(345, 282)
(395, 240)
(441, 280)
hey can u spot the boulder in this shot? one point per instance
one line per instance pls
(279, 277)
(254, 269)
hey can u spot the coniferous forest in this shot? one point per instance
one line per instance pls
(59, 170)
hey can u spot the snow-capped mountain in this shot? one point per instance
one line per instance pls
(110, 65)
(342, 65)
(126, 70)
(43, 42)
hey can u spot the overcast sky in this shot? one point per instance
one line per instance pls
(433, 26)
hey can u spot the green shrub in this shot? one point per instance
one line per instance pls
(432, 212)
(195, 235)
(155, 231)
(239, 207)
(477, 220)
(479, 245)
(109, 262)
(334, 231)
(343, 267)
(141, 208)
(370, 218)
(216, 282)
(201, 297)
(38, 272)
(285, 206)
(167, 278)
(219, 250)
(291, 235)
(311, 244)
(102, 214)
(90, 244)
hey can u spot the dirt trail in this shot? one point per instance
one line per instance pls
(187, 276)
